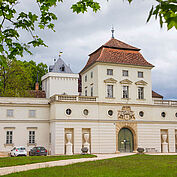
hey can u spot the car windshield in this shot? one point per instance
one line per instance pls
(22, 148)
(41, 148)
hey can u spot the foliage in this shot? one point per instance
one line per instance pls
(166, 10)
(13, 21)
(129, 166)
(14, 79)
(36, 70)
(17, 77)
(13, 161)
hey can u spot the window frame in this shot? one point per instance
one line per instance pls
(91, 91)
(141, 73)
(140, 93)
(32, 137)
(125, 92)
(110, 94)
(10, 113)
(9, 137)
(32, 115)
(110, 72)
(123, 73)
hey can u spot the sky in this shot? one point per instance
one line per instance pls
(78, 35)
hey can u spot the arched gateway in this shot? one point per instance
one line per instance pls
(125, 140)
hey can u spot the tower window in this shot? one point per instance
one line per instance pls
(62, 68)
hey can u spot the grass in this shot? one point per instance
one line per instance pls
(129, 166)
(13, 161)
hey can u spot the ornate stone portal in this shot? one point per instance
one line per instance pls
(126, 115)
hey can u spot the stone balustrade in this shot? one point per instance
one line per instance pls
(73, 98)
(165, 102)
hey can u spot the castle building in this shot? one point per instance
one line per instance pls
(114, 110)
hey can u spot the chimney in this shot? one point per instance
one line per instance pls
(37, 86)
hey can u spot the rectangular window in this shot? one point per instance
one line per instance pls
(9, 135)
(31, 137)
(140, 74)
(125, 73)
(140, 93)
(10, 112)
(91, 93)
(86, 92)
(125, 92)
(110, 91)
(32, 113)
(91, 74)
(85, 78)
(109, 71)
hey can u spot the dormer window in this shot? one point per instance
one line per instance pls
(62, 68)
(125, 73)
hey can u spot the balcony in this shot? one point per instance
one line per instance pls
(165, 102)
(73, 98)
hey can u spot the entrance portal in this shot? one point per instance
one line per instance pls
(125, 140)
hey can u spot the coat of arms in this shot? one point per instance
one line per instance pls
(126, 113)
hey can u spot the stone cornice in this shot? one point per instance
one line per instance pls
(110, 80)
(141, 82)
(126, 81)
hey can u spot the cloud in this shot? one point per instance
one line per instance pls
(79, 35)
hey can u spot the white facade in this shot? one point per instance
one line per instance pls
(103, 110)
(60, 83)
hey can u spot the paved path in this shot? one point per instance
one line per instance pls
(13, 169)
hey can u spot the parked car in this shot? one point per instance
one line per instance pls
(37, 151)
(18, 151)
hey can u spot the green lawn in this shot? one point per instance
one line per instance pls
(129, 166)
(12, 161)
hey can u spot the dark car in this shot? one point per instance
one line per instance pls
(37, 151)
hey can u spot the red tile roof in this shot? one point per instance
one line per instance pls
(115, 51)
(156, 95)
(114, 43)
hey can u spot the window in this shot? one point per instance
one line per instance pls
(91, 74)
(141, 113)
(109, 71)
(140, 93)
(9, 135)
(125, 73)
(85, 78)
(85, 112)
(140, 74)
(163, 114)
(176, 114)
(110, 91)
(31, 137)
(10, 113)
(68, 111)
(62, 68)
(125, 92)
(110, 112)
(85, 92)
(91, 93)
(32, 113)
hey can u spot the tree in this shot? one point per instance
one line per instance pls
(166, 10)
(15, 79)
(12, 21)
(35, 70)
(10, 46)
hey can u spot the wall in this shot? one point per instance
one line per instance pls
(60, 83)
(21, 123)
